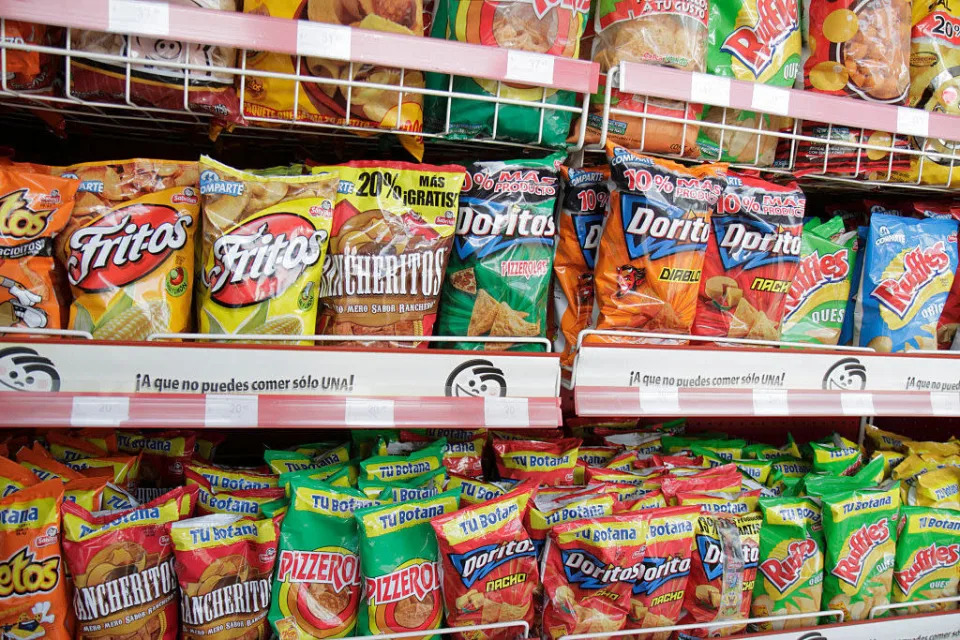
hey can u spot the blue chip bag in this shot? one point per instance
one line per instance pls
(907, 272)
(846, 331)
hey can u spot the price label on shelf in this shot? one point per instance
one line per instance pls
(767, 99)
(944, 403)
(913, 122)
(231, 411)
(506, 412)
(136, 16)
(770, 402)
(323, 40)
(856, 403)
(99, 411)
(369, 412)
(709, 89)
(659, 402)
(535, 68)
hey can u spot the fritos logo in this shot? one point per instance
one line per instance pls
(323, 567)
(18, 220)
(925, 562)
(920, 267)
(814, 272)
(862, 542)
(754, 46)
(21, 574)
(415, 580)
(784, 573)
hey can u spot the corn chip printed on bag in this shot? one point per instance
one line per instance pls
(34, 596)
(122, 563)
(369, 108)
(908, 271)
(263, 247)
(400, 565)
(498, 278)
(654, 242)
(224, 566)
(553, 28)
(393, 229)
(927, 563)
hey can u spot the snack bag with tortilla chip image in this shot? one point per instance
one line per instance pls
(927, 564)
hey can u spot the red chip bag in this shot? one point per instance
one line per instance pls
(724, 478)
(550, 463)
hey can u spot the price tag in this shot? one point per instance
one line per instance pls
(913, 122)
(856, 404)
(506, 412)
(369, 412)
(710, 90)
(231, 411)
(659, 402)
(136, 16)
(945, 404)
(99, 411)
(770, 402)
(535, 68)
(323, 40)
(767, 99)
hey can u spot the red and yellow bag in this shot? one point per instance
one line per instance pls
(14, 477)
(246, 502)
(86, 492)
(65, 447)
(124, 470)
(164, 456)
(550, 463)
(37, 460)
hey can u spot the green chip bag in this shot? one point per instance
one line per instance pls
(498, 278)
(399, 561)
(927, 565)
(393, 468)
(425, 486)
(286, 461)
(836, 456)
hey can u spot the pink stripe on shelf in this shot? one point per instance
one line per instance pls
(83, 14)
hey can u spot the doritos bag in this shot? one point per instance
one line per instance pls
(34, 208)
(499, 273)
(928, 558)
(224, 565)
(122, 565)
(579, 226)
(752, 257)
(34, 597)
(550, 463)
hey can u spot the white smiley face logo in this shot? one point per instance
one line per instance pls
(847, 374)
(477, 378)
(23, 369)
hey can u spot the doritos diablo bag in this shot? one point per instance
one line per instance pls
(499, 273)
(928, 558)
(550, 463)
(224, 565)
(586, 196)
(122, 565)
(34, 597)
(393, 229)
(752, 257)
(908, 270)
(653, 244)
(34, 208)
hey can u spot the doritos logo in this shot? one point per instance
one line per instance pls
(658, 572)
(18, 220)
(22, 574)
(920, 267)
(862, 542)
(712, 556)
(784, 573)
(483, 229)
(926, 561)
(815, 271)
(339, 570)
(751, 243)
(659, 229)
(589, 228)
(478, 563)
(755, 45)
(588, 572)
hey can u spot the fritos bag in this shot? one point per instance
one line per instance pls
(264, 242)
(393, 229)
(122, 565)
(654, 242)
(928, 558)
(34, 597)
(752, 257)
(489, 564)
(224, 565)
(583, 209)
(129, 247)
(34, 208)
(550, 463)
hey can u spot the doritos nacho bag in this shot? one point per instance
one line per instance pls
(499, 273)
(752, 257)
(264, 242)
(584, 207)
(122, 565)
(393, 229)
(129, 247)
(653, 244)
(400, 564)
(34, 599)
(927, 563)
(550, 463)
(224, 565)
(34, 208)
(908, 270)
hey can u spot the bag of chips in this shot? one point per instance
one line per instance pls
(546, 512)
(164, 457)
(550, 463)
(233, 479)
(37, 460)
(928, 558)
(224, 565)
(908, 270)
(499, 273)
(247, 503)
(393, 468)
(122, 470)
(654, 242)
(393, 229)
(264, 242)
(14, 477)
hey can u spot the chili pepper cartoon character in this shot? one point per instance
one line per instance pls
(629, 279)
(20, 307)
(585, 289)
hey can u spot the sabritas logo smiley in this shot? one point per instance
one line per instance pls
(862, 542)
(339, 570)
(756, 45)
(125, 245)
(814, 272)
(415, 580)
(926, 561)
(18, 220)
(784, 573)
(920, 267)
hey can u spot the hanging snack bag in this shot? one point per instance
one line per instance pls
(927, 564)
(129, 247)
(34, 597)
(499, 273)
(908, 270)
(122, 565)
(34, 208)
(550, 463)
(817, 299)
(579, 226)
(653, 244)
(553, 28)
(224, 565)
(393, 232)
(264, 242)
(400, 564)
(752, 257)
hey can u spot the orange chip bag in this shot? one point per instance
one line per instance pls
(37, 459)
(33, 209)
(123, 470)
(86, 492)
(33, 592)
(64, 447)
(14, 477)
(653, 245)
